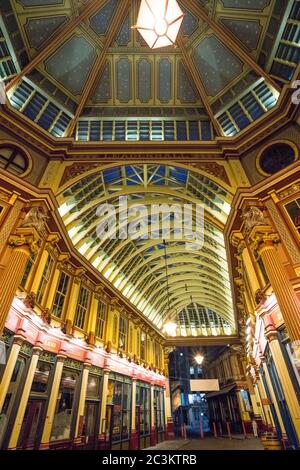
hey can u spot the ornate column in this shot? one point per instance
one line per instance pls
(265, 404)
(23, 243)
(13, 442)
(283, 373)
(70, 315)
(9, 368)
(153, 440)
(103, 424)
(93, 314)
(52, 402)
(134, 437)
(273, 397)
(266, 244)
(81, 405)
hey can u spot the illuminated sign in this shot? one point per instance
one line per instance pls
(205, 385)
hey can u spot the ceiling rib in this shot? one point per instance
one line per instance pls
(230, 42)
(119, 17)
(57, 40)
(190, 66)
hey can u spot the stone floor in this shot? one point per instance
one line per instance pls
(236, 443)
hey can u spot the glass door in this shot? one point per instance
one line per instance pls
(29, 435)
(91, 424)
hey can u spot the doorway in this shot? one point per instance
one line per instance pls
(91, 424)
(30, 434)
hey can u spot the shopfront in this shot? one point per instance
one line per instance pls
(91, 424)
(143, 413)
(159, 413)
(118, 412)
(64, 421)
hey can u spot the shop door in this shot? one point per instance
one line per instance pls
(138, 423)
(109, 425)
(91, 424)
(32, 424)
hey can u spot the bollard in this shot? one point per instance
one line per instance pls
(244, 430)
(201, 430)
(228, 430)
(215, 430)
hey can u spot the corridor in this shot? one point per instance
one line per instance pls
(237, 443)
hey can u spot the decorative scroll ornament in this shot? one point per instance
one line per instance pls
(36, 218)
(253, 217)
(20, 239)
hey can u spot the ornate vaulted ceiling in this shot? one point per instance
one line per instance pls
(145, 269)
(75, 67)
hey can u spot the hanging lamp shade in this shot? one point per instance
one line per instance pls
(159, 22)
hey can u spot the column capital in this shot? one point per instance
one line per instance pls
(264, 238)
(25, 238)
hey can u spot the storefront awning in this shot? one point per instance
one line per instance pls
(223, 391)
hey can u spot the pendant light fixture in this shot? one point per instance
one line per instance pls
(159, 22)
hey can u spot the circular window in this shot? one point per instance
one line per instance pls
(13, 160)
(276, 158)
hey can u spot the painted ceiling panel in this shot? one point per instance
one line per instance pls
(248, 32)
(124, 35)
(40, 3)
(100, 22)
(246, 4)
(71, 64)
(190, 23)
(217, 65)
(102, 92)
(144, 80)
(38, 30)
(186, 91)
(124, 80)
(165, 80)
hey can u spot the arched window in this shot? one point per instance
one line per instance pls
(13, 160)
(277, 157)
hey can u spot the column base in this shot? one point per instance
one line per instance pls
(248, 427)
(170, 432)
(102, 443)
(134, 441)
(153, 437)
(44, 446)
(78, 444)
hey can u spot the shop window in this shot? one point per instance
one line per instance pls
(61, 428)
(277, 157)
(93, 387)
(82, 307)
(119, 396)
(159, 409)
(122, 333)
(41, 377)
(45, 279)
(144, 408)
(60, 296)
(101, 319)
(27, 269)
(13, 160)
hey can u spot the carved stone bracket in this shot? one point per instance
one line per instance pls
(25, 237)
